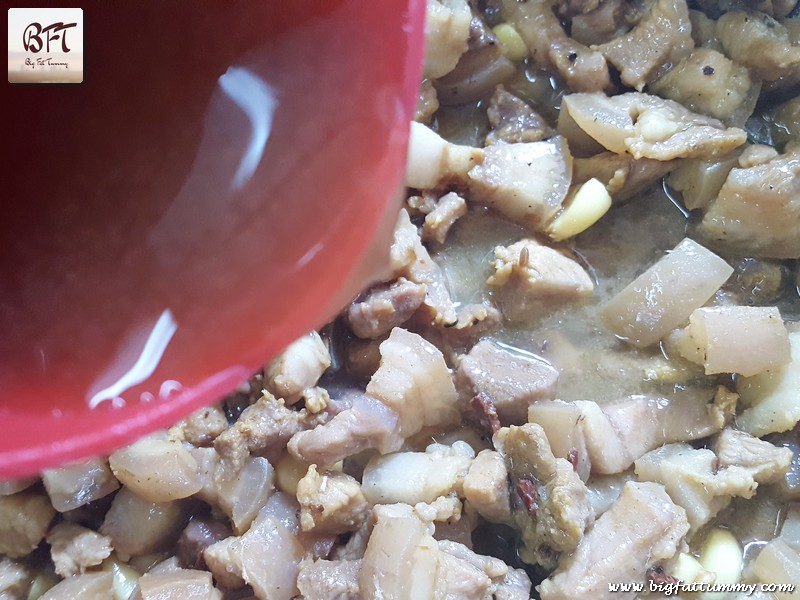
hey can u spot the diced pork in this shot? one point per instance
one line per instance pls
(326, 579)
(198, 535)
(434, 162)
(179, 584)
(438, 222)
(427, 102)
(663, 36)
(650, 127)
(24, 519)
(297, 368)
(239, 560)
(584, 69)
(90, 586)
(412, 477)
(642, 528)
(512, 379)
(486, 487)
(527, 273)
(446, 33)
(757, 211)
(201, 427)
(550, 503)
(263, 428)
(758, 42)
(513, 120)
(78, 484)
(709, 83)
(527, 182)
(697, 480)
(411, 260)
(623, 175)
(368, 423)
(414, 380)
(74, 548)
(330, 502)
(384, 307)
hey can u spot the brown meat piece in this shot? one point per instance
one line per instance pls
(760, 43)
(513, 120)
(486, 487)
(449, 208)
(623, 175)
(201, 428)
(263, 428)
(330, 502)
(764, 461)
(642, 528)
(24, 519)
(662, 37)
(600, 25)
(583, 69)
(427, 102)
(550, 503)
(757, 211)
(326, 579)
(199, 535)
(178, 584)
(74, 548)
(512, 379)
(384, 307)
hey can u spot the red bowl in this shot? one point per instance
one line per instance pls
(222, 181)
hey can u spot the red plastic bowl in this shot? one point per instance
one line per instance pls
(218, 185)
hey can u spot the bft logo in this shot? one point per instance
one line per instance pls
(32, 36)
(45, 45)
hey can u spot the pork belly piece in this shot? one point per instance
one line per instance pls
(446, 33)
(663, 36)
(449, 208)
(647, 126)
(263, 428)
(611, 437)
(384, 307)
(78, 484)
(623, 175)
(486, 487)
(236, 561)
(411, 260)
(511, 379)
(528, 275)
(24, 519)
(770, 398)
(760, 43)
(550, 505)
(757, 211)
(642, 528)
(297, 368)
(74, 548)
(704, 482)
(412, 477)
(403, 561)
(583, 69)
(709, 83)
(326, 579)
(200, 428)
(330, 502)
(526, 182)
(663, 297)
(513, 120)
(178, 584)
(433, 162)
